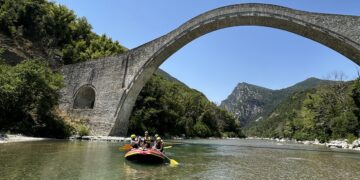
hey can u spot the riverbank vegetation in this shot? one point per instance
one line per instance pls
(324, 113)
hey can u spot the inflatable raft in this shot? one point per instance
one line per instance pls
(145, 155)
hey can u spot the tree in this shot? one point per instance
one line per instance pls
(28, 94)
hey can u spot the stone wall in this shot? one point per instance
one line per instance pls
(106, 77)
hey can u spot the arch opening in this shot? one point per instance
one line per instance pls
(84, 98)
(297, 22)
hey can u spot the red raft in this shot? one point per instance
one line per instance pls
(145, 155)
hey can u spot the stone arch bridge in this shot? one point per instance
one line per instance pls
(104, 91)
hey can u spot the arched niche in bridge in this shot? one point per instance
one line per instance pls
(334, 31)
(84, 98)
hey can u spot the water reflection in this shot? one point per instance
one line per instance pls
(136, 171)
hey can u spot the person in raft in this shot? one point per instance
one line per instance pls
(156, 135)
(147, 140)
(153, 140)
(159, 144)
(134, 142)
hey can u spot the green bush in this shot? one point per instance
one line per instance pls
(201, 130)
(229, 134)
(301, 136)
(351, 138)
(83, 131)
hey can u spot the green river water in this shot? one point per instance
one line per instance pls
(199, 159)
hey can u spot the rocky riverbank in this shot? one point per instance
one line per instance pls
(9, 138)
(341, 144)
(355, 145)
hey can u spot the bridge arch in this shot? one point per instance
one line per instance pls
(84, 97)
(326, 29)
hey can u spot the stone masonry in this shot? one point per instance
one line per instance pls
(118, 80)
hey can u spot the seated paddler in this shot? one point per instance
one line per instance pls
(159, 144)
(134, 142)
(147, 140)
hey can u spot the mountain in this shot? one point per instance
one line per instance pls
(248, 102)
(252, 103)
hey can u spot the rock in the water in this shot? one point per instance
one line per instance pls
(337, 144)
(356, 143)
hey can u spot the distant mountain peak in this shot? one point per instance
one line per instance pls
(312, 78)
(245, 84)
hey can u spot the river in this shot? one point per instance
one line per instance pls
(199, 159)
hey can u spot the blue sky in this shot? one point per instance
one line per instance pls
(215, 63)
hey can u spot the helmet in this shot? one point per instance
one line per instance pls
(146, 132)
(133, 136)
(156, 135)
(158, 138)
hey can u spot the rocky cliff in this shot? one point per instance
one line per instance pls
(247, 102)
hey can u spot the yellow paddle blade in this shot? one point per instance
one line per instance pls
(173, 163)
(167, 147)
(125, 147)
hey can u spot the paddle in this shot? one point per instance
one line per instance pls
(173, 163)
(167, 147)
(125, 147)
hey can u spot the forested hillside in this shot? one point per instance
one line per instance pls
(42, 29)
(169, 108)
(324, 113)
